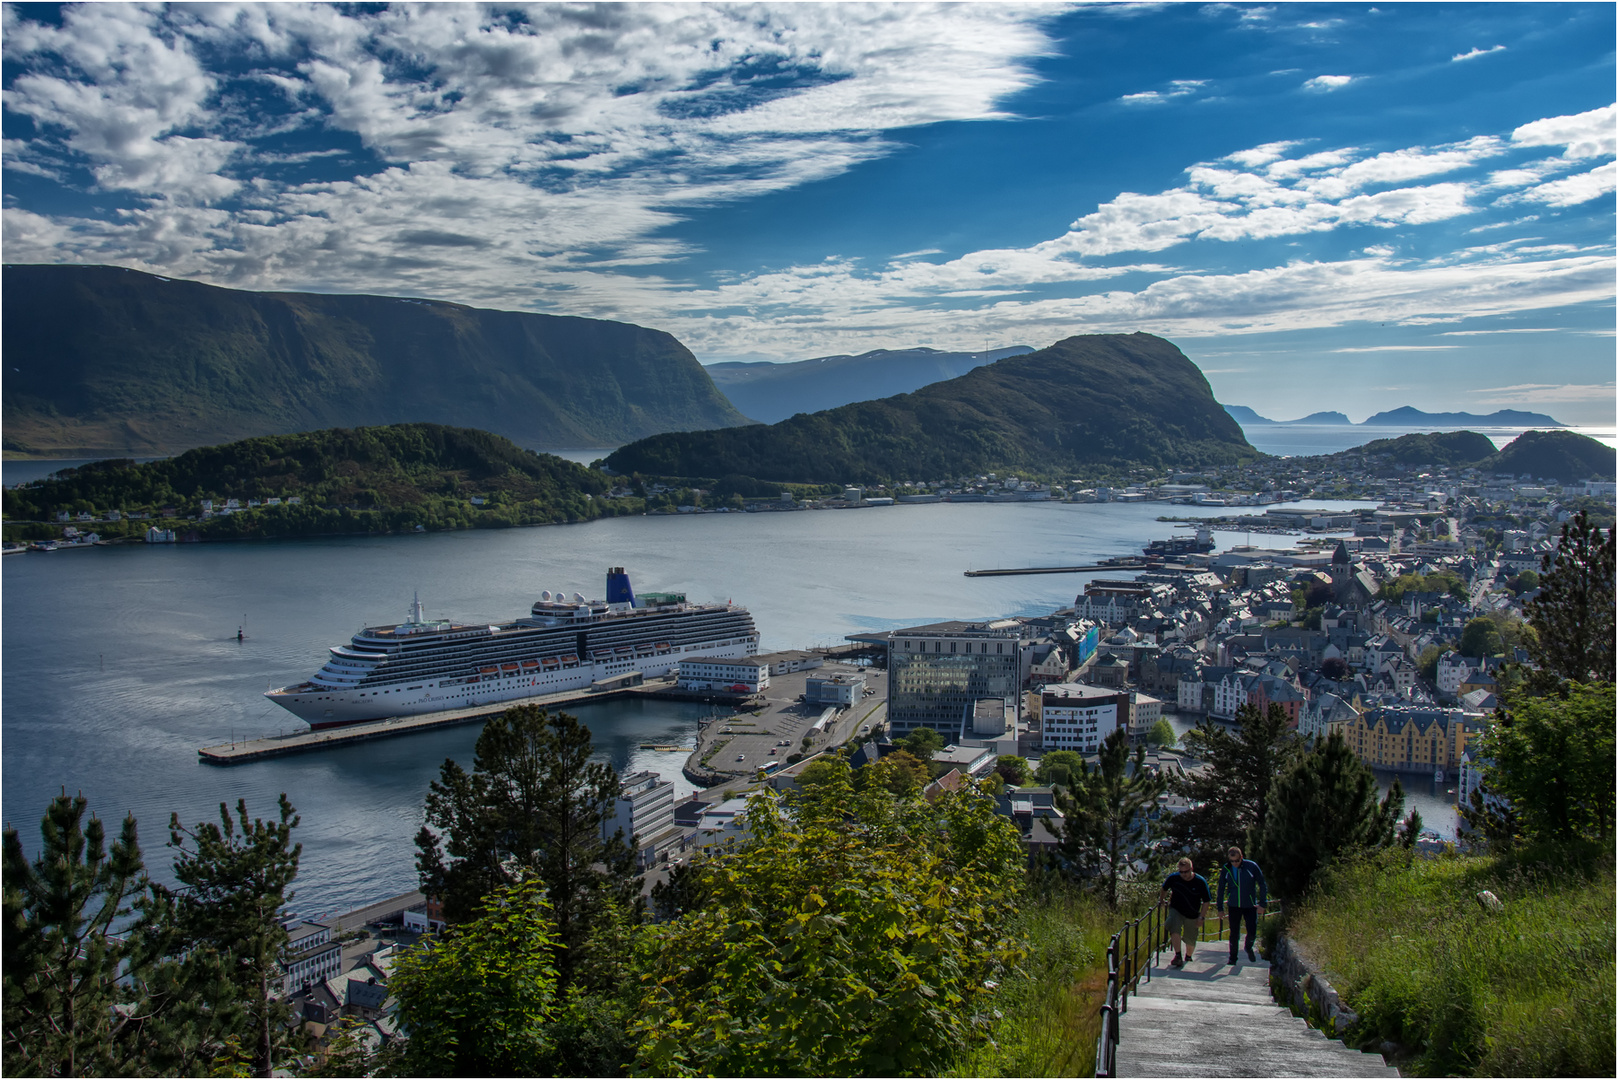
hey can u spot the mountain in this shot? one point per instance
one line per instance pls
(1566, 456)
(1243, 415)
(380, 479)
(771, 392)
(1322, 418)
(1410, 417)
(101, 360)
(1436, 448)
(1101, 402)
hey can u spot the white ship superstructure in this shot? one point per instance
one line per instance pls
(566, 643)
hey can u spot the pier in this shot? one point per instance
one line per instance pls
(1126, 564)
(241, 753)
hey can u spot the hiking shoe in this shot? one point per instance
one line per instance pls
(1232, 959)
(1176, 962)
(1250, 955)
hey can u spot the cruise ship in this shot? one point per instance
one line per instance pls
(566, 643)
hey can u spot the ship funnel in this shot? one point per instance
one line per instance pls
(618, 588)
(416, 615)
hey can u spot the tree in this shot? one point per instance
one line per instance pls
(1109, 819)
(901, 772)
(1573, 615)
(923, 742)
(1334, 668)
(1012, 769)
(1480, 638)
(479, 1000)
(234, 880)
(863, 935)
(1161, 734)
(1427, 662)
(1551, 760)
(61, 963)
(1060, 767)
(1323, 806)
(1230, 796)
(1526, 581)
(534, 803)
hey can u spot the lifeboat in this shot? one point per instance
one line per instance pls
(625, 650)
(570, 659)
(488, 671)
(662, 646)
(508, 667)
(550, 661)
(530, 663)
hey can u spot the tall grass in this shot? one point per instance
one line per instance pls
(1050, 1014)
(1525, 991)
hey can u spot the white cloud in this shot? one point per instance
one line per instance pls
(1394, 348)
(1534, 393)
(1178, 88)
(1328, 82)
(1586, 134)
(1475, 53)
(1599, 181)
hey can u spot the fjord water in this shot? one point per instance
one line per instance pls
(118, 663)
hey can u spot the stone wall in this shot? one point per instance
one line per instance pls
(1299, 984)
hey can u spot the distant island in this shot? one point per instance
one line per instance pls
(772, 392)
(1408, 417)
(1100, 403)
(1563, 456)
(105, 361)
(396, 479)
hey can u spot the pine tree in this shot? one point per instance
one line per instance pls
(1230, 795)
(62, 961)
(222, 928)
(1324, 805)
(534, 802)
(1109, 821)
(1573, 616)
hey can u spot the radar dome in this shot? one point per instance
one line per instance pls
(578, 598)
(546, 595)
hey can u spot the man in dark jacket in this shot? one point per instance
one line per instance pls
(1247, 893)
(1186, 894)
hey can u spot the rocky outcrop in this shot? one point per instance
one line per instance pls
(1299, 984)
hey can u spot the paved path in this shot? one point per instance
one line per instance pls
(1211, 1019)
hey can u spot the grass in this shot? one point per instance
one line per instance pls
(1049, 1016)
(1525, 991)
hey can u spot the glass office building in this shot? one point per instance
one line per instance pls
(937, 673)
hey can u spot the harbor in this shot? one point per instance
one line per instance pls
(249, 750)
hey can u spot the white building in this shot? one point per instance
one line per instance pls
(834, 689)
(1074, 716)
(1144, 713)
(312, 957)
(1453, 668)
(748, 675)
(644, 810)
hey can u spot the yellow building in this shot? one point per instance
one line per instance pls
(1411, 738)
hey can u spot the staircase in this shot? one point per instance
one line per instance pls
(1213, 1019)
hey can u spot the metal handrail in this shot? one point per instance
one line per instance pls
(1124, 971)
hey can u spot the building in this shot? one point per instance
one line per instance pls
(1073, 716)
(938, 673)
(841, 690)
(1144, 713)
(644, 810)
(312, 957)
(784, 663)
(1411, 738)
(748, 675)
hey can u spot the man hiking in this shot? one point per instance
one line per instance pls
(1186, 894)
(1246, 884)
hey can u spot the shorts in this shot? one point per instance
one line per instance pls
(1184, 925)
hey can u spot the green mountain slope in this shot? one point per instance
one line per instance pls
(1554, 455)
(1436, 448)
(380, 479)
(102, 360)
(1106, 401)
(771, 392)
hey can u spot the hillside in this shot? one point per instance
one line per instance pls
(380, 479)
(1435, 448)
(772, 392)
(1406, 416)
(107, 361)
(1554, 455)
(1100, 402)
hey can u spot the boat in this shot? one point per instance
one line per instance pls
(426, 665)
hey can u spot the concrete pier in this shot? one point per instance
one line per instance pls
(240, 753)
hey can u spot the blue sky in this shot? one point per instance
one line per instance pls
(1325, 206)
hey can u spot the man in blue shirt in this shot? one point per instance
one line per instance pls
(1247, 893)
(1186, 893)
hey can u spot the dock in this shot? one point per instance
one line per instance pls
(1130, 564)
(243, 752)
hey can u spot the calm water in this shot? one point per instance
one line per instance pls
(118, 663)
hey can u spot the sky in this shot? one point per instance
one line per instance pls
(1326, 206)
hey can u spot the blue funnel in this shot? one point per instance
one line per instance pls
(618, 588)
